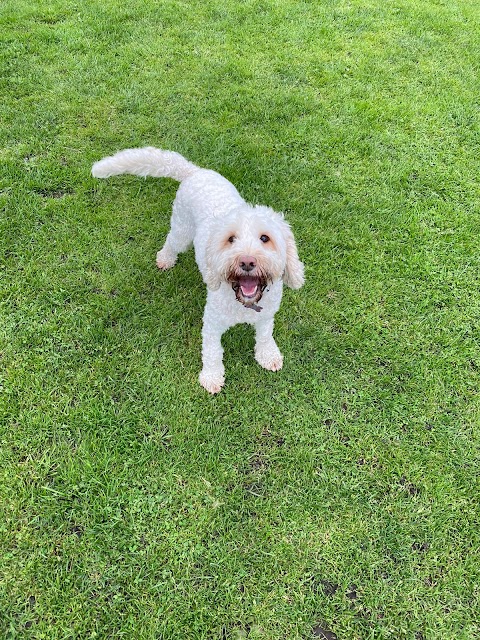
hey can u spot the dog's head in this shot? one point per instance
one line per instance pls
(249, 248)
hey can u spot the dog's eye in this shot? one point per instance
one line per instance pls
(264, 238)
(231, 239)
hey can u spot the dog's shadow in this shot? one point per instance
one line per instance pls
(176, 298)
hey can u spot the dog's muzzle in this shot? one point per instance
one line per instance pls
(249, 289)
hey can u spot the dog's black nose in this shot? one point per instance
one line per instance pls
(247, 263)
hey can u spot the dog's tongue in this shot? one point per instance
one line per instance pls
(248, 286)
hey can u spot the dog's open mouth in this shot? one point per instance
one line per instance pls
(248, 289)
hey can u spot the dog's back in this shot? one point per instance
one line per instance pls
(207, 194)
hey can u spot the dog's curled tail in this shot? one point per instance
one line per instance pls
(148, 161)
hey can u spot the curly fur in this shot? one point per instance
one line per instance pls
(245, 253)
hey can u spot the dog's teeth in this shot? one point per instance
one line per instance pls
(249, 292)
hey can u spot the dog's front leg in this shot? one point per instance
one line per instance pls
(267, 353)
(212, 376)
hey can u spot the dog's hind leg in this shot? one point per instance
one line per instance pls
(179, 239)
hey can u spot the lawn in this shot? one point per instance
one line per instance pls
(338, 498)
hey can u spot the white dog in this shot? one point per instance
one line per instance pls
(245, 253)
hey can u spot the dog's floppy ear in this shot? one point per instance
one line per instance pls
(211, 279)
(211, 276)
(293, 275)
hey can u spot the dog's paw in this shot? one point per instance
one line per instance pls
(165, 260)
(270, 359)
(211, 382)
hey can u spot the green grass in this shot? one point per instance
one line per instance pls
(343, 492)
